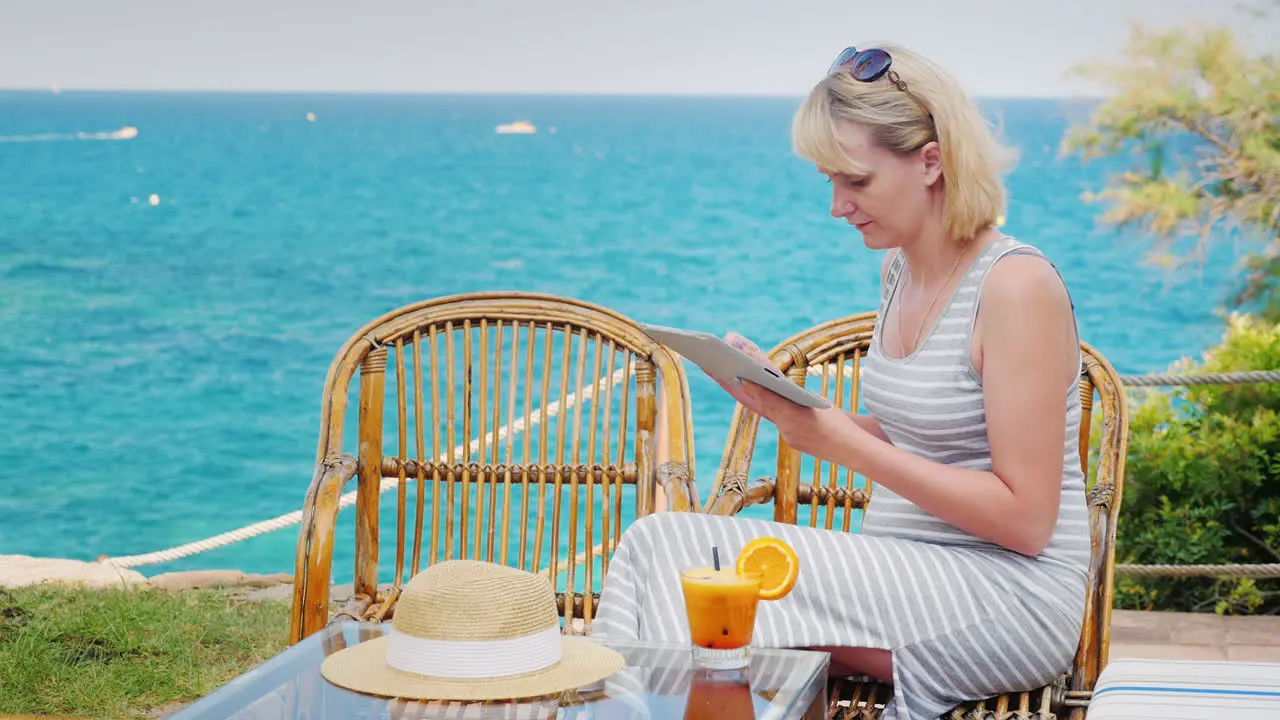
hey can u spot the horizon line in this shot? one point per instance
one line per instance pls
(63, 90)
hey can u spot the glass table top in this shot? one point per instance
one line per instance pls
(658, 681)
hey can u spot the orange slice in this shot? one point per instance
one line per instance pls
(775, 561)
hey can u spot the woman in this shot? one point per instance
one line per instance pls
(968, 579)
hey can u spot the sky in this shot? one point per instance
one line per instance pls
(997, 48)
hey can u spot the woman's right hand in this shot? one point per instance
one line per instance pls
(866, 422)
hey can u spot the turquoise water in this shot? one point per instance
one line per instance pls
(163, 364)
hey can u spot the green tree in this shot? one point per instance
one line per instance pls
(1198, 115)
(1201, 117)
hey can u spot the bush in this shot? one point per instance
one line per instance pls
(1202, 481)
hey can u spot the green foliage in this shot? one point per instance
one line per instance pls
(1201, 117)
(122, 653)
(1202, 481)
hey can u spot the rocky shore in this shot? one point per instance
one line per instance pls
(23, 570)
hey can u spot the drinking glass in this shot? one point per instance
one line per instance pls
(721, 609)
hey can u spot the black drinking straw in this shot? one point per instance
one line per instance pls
(715, 556)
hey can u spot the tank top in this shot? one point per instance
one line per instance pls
(930, 403)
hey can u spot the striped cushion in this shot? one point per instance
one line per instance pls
(1131, 689)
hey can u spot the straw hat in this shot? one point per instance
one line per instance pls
(469, 630)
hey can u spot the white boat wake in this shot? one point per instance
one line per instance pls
(127, 132)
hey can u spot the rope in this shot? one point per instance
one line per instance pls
(1261, 570)
(348, 499)
(1230, 378)
(217, 541)
(1153, 380)
(584, 393)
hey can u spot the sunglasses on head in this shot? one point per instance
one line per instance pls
(871, 65)
(867, 66)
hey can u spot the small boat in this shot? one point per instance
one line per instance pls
(519, 127)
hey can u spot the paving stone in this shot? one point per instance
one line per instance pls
(1138, 628)
(1168, 652)
(1254, 630)
(1254, 653)
(1194, 629)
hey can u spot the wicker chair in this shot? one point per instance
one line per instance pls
(542, 472)
(834, 351)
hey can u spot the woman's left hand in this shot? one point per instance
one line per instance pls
(812, 431)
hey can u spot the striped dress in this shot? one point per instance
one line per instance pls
(964, 618)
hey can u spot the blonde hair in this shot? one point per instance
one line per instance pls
(933, 107)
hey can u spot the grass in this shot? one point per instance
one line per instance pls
(123, 653)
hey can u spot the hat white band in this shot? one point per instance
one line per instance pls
(472, 659)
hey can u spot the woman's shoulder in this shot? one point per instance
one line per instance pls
(1023, 288)
(1021, 272)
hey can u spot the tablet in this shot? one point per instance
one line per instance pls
(719, 359)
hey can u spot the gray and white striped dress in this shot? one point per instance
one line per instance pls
(964, 618)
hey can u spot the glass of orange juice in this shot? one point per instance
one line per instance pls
(721, 608)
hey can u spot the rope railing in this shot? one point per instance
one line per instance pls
(1228, 378)
(1260, 570)
(553, 409)
(1255, 571)
(293, 518)
(1152, 380)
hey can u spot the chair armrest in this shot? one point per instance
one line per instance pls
(677, 484)
(676, 487)
(314, 555)
(736, 493)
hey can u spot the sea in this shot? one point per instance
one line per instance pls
(177, 271)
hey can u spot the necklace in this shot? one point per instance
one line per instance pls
(902, 346)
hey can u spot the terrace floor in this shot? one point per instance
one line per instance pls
(1194, 636)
